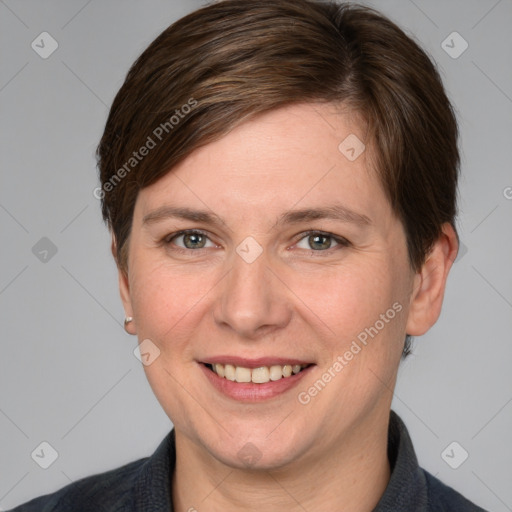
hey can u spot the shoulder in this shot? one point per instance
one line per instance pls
(100, 492)
(442, 498)
(140, 485)
(410, 486)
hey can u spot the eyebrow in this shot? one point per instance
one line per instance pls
(335, 212)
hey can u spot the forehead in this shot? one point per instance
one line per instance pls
(301, 155)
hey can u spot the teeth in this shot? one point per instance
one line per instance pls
(219, 370)
(276, 372)
(259, 375)
(242, 374)
(229, 372)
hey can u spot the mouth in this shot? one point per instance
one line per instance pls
(254, 380)
(259, 375)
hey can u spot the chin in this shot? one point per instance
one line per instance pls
(245, 448)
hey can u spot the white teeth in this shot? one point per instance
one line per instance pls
(229, 371)
(219, 369)
(260, 375)
(276, 372)
(242, 374)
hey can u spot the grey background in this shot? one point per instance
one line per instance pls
(68, 375)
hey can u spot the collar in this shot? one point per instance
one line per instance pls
(407, 489)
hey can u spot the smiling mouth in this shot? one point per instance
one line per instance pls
(260, 375)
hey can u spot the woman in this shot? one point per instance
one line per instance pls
(279, 179)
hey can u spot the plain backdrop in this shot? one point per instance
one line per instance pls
(68, 375)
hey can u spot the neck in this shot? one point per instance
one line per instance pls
(352, 477)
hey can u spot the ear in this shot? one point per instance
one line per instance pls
(430, 282)
(124, 290)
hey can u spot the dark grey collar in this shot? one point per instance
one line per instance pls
(410, 489)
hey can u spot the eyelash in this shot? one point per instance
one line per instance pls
(342, 242)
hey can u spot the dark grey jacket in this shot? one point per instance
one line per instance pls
(145, 485)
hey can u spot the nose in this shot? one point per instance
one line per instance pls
(253, 300)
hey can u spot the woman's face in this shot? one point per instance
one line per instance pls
(292, 259)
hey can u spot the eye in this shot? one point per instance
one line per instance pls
(189, 239)
(319, 241)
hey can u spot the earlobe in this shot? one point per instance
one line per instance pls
(430, 283)
(124, 291)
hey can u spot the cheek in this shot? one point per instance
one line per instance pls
(167, 306)
(364, 309)
(348, 300)
(361, 329)
(166, 302)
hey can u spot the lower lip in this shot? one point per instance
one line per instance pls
(250, 392)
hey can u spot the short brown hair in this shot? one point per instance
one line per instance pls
(237, 58)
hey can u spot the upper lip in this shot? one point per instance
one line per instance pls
(254, 363)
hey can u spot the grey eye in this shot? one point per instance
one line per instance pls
(317, 242)
(192, 240)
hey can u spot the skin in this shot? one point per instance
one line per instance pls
(297, 299)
